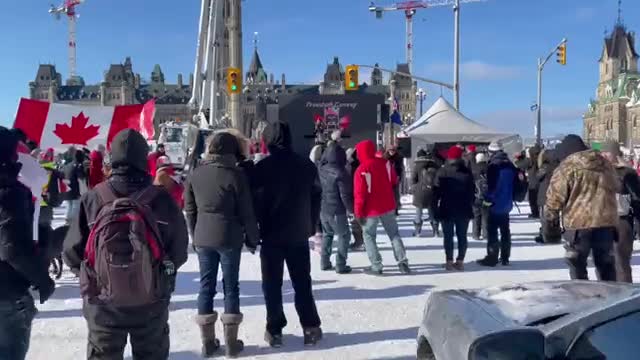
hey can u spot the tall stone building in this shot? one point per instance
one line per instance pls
(615, 112)
(122, 86)
(119, 86)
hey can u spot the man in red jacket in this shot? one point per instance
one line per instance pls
(375, 202)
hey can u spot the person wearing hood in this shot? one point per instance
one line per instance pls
(287, 197)
(454, 196)
(220, 216)
(21, 265)
(583, 189)
(628, 208)
(547, 163)
(337, 202)
(356, 229)
(110, 323)
(423, 176)
(96, 171)
(480, 212)
(374, 202)
(501, 178)
(534, 184)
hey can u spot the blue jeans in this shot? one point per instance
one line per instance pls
(461, 226)
(15, 327)
(229, 261)
(73, 209)
(335, 225)
(390, 226)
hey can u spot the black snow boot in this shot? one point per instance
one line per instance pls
(274, 340)
(231, 324)
(210, 344)
(417, 228)
(488, 261)
(312, 336)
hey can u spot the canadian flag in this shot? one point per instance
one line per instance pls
(59, 126)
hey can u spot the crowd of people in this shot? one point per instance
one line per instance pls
(130, 218)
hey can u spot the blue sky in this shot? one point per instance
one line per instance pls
(501, 40)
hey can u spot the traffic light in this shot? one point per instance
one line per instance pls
(234, 81)
(351, 78)
(562, 54)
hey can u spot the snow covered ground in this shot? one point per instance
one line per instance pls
(363, 317)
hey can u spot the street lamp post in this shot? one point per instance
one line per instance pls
(421, 95)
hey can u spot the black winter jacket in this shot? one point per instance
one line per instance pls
(75, 174)
(337, 185)
(418, 180)
(219, 206)
(455, 191)
(287, 190)
(630, 186)
(21, 266)
(125, 182)
(549, 163)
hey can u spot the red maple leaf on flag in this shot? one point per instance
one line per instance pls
(78, 133)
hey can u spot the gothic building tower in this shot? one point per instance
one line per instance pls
(613, 114)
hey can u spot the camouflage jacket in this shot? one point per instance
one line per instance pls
(583, 188)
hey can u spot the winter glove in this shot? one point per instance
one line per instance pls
(551, 231)
(46, 290)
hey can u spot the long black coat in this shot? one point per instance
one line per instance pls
(455, 191)
(219, 205)
(287, 190)
(337, 184)
(549, 163)
(21, 266)
(418, 180)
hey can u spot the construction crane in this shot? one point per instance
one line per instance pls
(410, 8)
(68, 8)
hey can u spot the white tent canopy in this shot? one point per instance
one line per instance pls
(444, 124)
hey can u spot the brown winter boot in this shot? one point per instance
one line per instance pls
(459, 265)
(231, 324)
(449, 266)
(207, 324)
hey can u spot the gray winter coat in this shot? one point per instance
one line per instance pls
(337, 185)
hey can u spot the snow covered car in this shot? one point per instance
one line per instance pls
(567, 320)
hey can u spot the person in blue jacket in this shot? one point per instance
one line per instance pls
(501, 177)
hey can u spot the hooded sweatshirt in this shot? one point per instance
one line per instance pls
(96, 174)
(373, 183)
(583, 188)
(287, 191)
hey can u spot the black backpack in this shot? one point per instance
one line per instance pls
(124, 255)
(520, 186)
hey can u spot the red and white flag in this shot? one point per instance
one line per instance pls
(59, 126)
